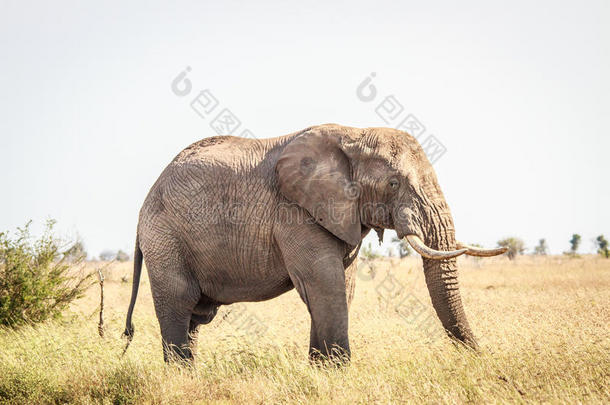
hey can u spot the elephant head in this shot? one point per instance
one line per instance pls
(351, 179)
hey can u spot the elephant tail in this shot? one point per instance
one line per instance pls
(137, 270)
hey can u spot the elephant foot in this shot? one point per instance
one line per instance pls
(182, 355)
(335, 357)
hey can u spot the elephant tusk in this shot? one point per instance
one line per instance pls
(430, 253)
(475, 251)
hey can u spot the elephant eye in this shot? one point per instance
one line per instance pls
(394, 184)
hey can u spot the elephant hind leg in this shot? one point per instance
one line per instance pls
(205, 311)
(203, 314)
(175, 295)
(176, 342)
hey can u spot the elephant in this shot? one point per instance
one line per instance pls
(234, 219)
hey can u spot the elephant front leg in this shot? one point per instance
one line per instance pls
(321, 286)
(328, 338)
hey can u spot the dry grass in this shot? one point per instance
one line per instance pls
(542, 324)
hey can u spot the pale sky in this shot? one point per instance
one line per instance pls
(518, 92)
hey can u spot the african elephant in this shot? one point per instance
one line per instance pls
(235, 219)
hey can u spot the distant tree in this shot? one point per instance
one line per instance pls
(574, 243)
(404, 249)
(602, 246)
(122, 256)
(368, 253)
(107, 255)
(76, 252)
(515, 246)
(542, 248)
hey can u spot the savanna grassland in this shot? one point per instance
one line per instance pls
(542, 323)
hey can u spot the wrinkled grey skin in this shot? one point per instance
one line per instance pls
(234, 219)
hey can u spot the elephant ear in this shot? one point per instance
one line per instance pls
(315, 173)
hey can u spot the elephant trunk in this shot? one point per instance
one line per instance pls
(442, 281)
(434, 223)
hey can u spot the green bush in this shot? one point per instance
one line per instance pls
(36, 277)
